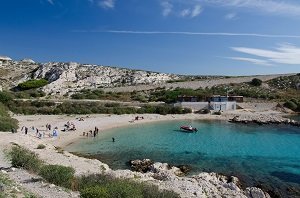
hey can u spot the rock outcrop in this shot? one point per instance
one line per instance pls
(261, 120)
(201, 185)
(72, 77)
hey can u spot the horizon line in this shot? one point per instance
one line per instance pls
(190, 33)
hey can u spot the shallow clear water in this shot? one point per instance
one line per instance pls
(268, 155)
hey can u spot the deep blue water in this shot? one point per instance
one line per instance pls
(258, 155)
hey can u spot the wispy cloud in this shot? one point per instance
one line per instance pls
(231, 16)
(196, 11)
(180, 9)
(167, 8)
(51, 2)
(252, 60)
(192, 33)
(185, 12)
(107, 4)
(284, 54)
(265, 6)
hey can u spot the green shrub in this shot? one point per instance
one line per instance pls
(41, 146)
(94, 192)
(7, 124)
(100, 186)
(291, 105)
(256, 82)
(58, 175)
(32, 84)
(5, 97)
(23, 158)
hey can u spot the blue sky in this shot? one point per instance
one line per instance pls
(215, 37)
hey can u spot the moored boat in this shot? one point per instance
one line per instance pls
(188, 128)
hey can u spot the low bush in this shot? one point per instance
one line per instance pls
(256, 82)
(41, 146)
(291, 105)
(5, 97)
(58, 175)
(94, 192)
(23, 158)
(8, 124)
(104, 186)
(32, 84)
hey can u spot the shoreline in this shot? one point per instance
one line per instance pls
(187, 186)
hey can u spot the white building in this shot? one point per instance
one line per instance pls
(215, 103)
(4, 60)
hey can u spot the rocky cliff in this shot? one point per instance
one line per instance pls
(72, 77)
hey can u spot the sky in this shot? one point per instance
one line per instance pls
(195, 37)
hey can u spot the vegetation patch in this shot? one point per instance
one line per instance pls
(293, 104)
(256, 82)
(23, 158)
(89, 186)
(51, 108)
(104, 186)
(58, 175)
(41, 146)
(32, 84)
(285, 82)
(6, 122)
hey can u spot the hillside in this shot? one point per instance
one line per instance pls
(70, 78)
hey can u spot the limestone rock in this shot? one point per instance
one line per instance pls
(253, 192)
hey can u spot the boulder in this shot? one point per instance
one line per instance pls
(253, 192)
(142, 166)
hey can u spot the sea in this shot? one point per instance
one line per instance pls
(266, 156)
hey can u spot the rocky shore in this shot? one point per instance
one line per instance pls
(263, 120)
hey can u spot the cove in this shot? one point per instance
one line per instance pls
(266, 156)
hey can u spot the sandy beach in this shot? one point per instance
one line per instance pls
(185, 186)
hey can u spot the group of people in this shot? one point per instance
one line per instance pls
(40, 134)
(91, 133)
(69, 126)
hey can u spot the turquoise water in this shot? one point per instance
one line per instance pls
(258, 155)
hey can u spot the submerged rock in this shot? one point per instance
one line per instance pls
(184, 168)
(142, 166)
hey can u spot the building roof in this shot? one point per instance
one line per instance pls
(6, 58)
(27, 60)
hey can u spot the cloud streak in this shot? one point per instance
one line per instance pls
(192, 33)
(107, 4)
(284, 54)
(252, 60)
(51, 2)
(266, 6)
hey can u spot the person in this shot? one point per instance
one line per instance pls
(190, 127)
(55, 133)
(113, 139)
(26, 130)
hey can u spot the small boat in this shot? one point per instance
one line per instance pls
(188, 129)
